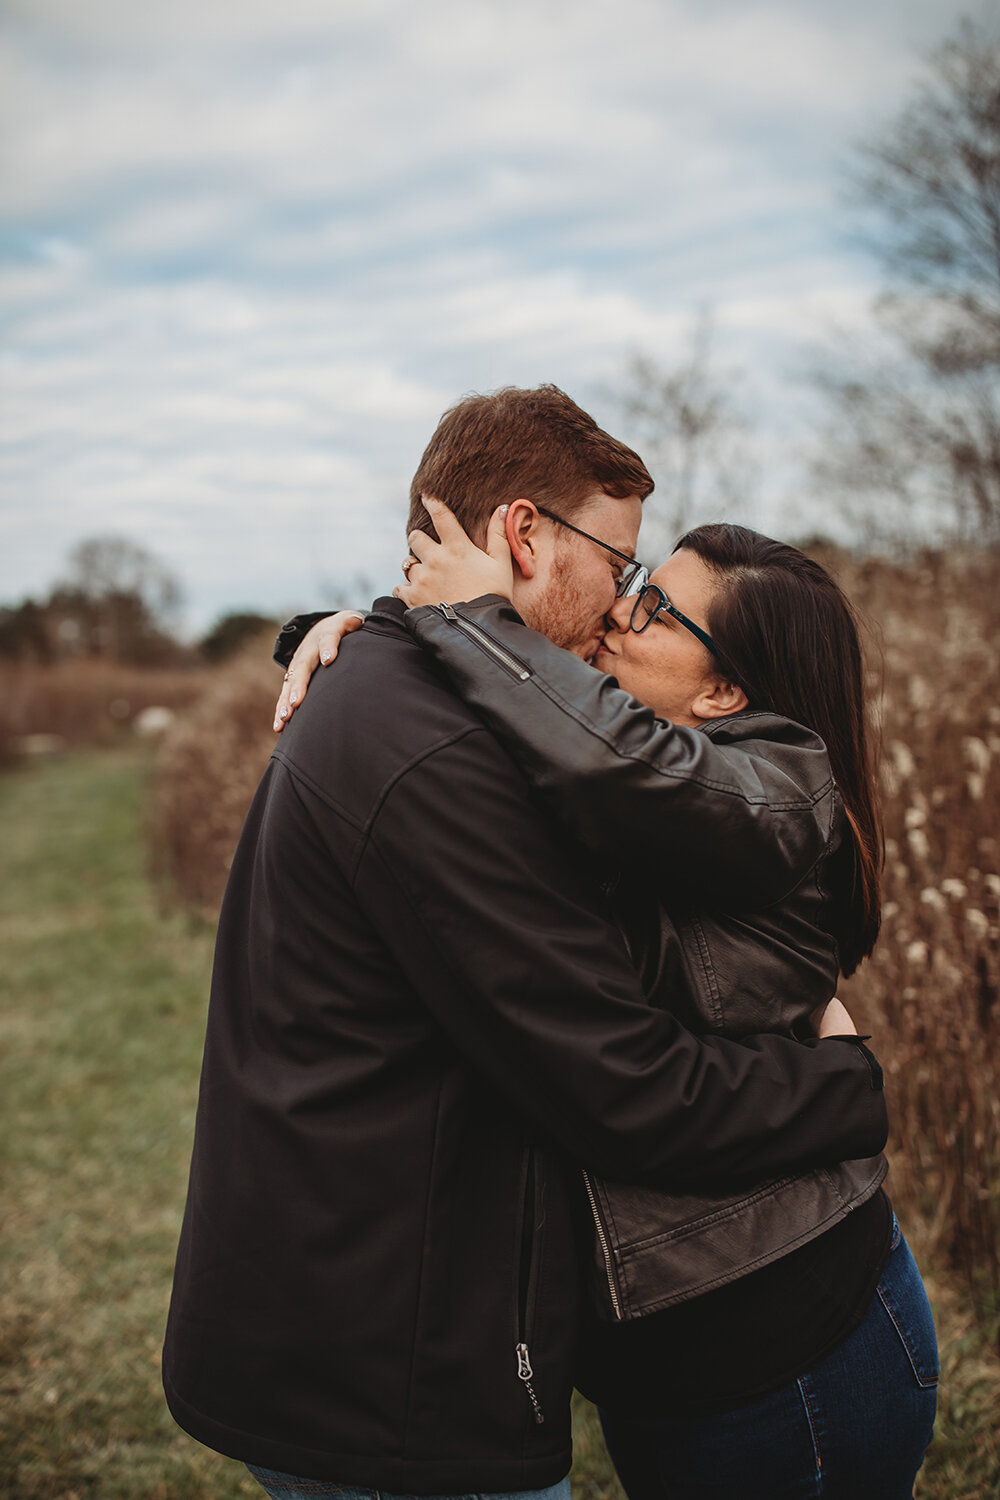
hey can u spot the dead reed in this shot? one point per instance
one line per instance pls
(930, 992)
(209, 765)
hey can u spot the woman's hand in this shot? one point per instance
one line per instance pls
(833, 1019)
(455, 568)
(319, 645)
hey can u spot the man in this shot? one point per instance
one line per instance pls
(421, 1018)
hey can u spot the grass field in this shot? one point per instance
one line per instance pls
(100, 1068)
(101, 1036)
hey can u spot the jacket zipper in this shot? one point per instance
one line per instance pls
(527, 1269)
(605, 1248)
(488, 644)
(525, 1372)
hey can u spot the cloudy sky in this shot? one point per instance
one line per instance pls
(250, 249)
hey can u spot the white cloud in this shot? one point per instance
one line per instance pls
(251, 248)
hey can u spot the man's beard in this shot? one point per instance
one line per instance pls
(564, 612)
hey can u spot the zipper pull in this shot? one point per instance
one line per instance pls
(486, 641)
(525, 1372)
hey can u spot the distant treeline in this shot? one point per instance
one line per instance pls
(116, 627)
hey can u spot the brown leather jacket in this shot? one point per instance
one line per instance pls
(730, 888)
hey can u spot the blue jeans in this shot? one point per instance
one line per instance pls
(854, 1428)
(287, 1487)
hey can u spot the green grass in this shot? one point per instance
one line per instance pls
(101, 1036)
(100, 1042)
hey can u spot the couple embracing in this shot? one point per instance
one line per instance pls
(510, 1077)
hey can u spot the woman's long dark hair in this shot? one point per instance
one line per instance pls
(788, 637)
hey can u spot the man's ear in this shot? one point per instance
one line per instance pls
(717, 698)
(521, 527)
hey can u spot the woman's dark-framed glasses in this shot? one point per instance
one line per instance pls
(633, 574)
(651, 602)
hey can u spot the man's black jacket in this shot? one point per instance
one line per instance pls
(421, 1014)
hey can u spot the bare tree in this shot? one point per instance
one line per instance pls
(685, 421)
(915, 436)
(117, 600)
(104, 565)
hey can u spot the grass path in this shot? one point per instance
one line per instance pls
(101, 1024)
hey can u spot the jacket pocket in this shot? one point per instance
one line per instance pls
(527, 1246)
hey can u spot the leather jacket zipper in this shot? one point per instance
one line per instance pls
(527, 1272)
(486, 642)
(602, 1237)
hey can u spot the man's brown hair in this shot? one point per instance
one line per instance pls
(520, 444)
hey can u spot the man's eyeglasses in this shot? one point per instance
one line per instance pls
(651, 602)
(633, 573)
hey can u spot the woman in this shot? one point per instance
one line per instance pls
(775, 1341)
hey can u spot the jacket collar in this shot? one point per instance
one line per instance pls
(388, 611)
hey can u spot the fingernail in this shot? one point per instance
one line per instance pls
(326, 657)
(276, 724)
(293, 697)
(283, 713)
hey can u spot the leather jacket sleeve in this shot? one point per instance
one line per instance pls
(292, 634)
(294, 631)
(507, 951)
(744, 821)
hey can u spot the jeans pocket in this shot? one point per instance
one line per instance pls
(901, 1292)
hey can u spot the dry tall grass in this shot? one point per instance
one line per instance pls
(930, 992)
(210, 763)
(84, 701)
(929, 995)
